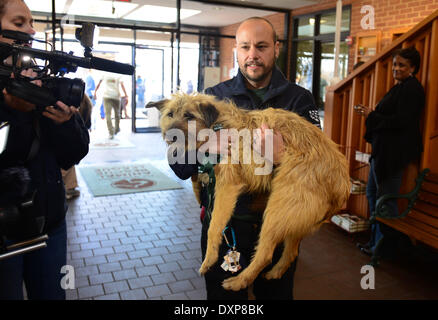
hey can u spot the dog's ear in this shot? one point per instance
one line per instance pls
(157, 104)
(210, 114)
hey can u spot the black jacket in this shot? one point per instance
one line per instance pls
(393, 128)
(281, 94)
(60, 146)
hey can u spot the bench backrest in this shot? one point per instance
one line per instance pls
(425, 211)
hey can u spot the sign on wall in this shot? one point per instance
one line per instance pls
(367, 21)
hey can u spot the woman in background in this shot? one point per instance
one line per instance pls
(393, 129)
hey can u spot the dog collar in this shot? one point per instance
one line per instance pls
(218, 126)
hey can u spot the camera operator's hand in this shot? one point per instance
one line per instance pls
(61, 113)
(17, 103)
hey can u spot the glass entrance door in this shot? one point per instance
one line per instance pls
(149, 86)
(328, 66)
(304, 73)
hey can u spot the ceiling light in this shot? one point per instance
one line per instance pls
(159, 14)
(100, 8)
(45, 5)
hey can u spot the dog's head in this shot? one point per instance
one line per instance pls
(185, 110)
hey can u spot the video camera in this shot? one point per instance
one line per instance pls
(18, 221)
(58, 63)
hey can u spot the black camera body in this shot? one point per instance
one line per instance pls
(69, 91)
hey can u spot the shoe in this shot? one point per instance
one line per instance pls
(72, 193)
(111, 136)
(360, 245)
(368, 252)
(365, 248)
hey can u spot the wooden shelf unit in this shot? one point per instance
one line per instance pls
(367, 45)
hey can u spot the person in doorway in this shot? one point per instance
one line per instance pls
(189, 87)
(259, 84)
(111, 101)
(393, 129)
(90, 86)
(140, 90)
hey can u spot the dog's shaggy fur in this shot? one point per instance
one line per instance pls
(309, 186)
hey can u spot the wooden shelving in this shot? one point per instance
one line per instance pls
(367, 45)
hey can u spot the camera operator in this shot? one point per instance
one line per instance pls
(62, 141)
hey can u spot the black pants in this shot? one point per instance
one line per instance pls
(246, 239)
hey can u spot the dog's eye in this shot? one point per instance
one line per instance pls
(170, 114)
(189, 116)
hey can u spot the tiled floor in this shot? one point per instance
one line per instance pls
(146, 245)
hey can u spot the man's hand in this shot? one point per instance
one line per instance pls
(259, 143)
(60, 114)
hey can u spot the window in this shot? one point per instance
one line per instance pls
(314, 53)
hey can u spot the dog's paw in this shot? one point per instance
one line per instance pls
(274, 273)
(235, 283)
(208, 262)
(204, 268)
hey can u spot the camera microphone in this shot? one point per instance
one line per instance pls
(111, 66)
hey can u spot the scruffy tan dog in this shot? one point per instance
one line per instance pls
(308, 187)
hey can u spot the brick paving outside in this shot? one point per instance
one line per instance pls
(147, 245)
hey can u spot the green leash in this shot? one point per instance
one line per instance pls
(208, 179)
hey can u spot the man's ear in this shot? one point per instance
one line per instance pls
(277, 49)
(157, 104)
(209, 113)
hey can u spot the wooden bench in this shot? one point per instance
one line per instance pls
(419, 220)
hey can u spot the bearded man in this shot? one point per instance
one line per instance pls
(259, 84)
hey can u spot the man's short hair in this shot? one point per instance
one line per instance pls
(274, 34)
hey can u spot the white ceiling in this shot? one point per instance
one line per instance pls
(192, 13)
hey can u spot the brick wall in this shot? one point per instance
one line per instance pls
(389, 15)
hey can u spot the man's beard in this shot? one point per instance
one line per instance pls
(260, 77)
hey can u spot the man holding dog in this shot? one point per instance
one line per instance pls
(259, 84)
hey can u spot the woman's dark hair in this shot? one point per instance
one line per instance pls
(412, 55)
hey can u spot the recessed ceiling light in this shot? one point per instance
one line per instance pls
(45, 5)
(159, 14)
